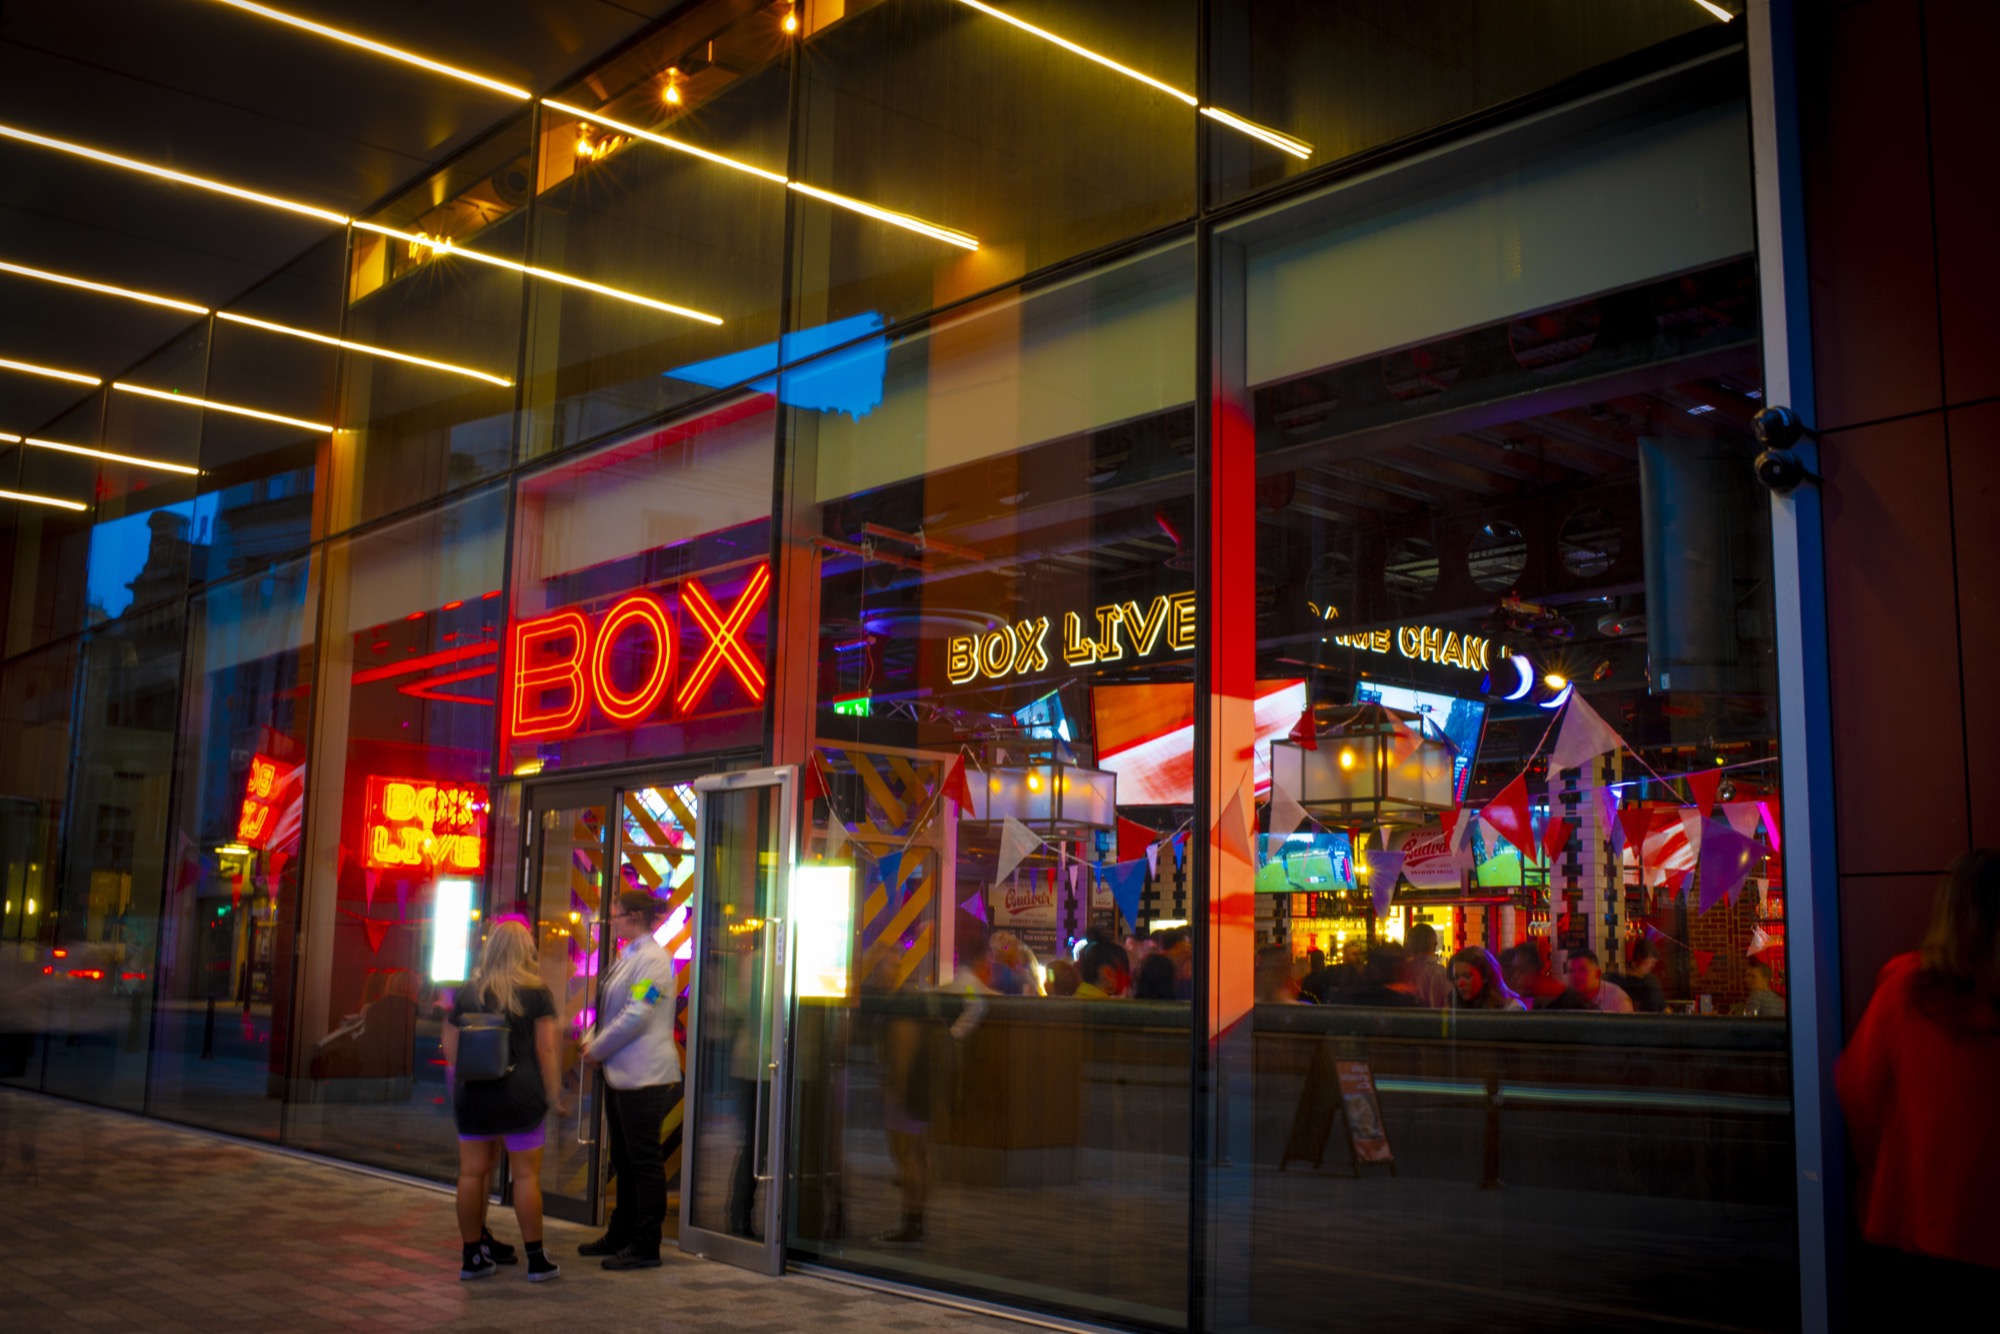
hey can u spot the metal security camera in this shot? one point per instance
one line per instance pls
(1779, 467)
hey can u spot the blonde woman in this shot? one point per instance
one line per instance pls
(509, 1107)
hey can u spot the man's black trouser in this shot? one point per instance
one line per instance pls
(633, 1120)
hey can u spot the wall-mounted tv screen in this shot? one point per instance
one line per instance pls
(1145, 735)
(1459, 720)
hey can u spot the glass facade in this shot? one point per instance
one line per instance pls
(1238, 516)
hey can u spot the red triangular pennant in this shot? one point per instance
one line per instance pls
(1634, 821)
(1133, 838)
(1449, 819)
(1305, 731)
(956, 790)
(1702, 786)
(1555, 838)
(813, 786)
(1510, 814)
(375, 931)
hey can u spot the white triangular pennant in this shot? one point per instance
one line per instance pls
(1153, 861)
(1016, 842)
(1232, 831)
(836, 838)
(1286, 813)
(1584, 736)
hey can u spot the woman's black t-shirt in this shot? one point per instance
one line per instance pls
(516, 1104)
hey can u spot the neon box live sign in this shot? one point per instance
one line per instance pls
(423, 824)
(650, 655)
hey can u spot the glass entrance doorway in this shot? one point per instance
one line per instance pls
(733, 1194)
(585, 843)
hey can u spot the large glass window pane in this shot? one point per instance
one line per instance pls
(259, 477)
(1509, 540)
(1346, 75)
(141, 544)
(36, 712)
(411, 431)
(1003, 755)
(974, 130)
(52, 542)
(127, 708)
(397, 830)
(222, 1030)
(642, 581)
(689, 210)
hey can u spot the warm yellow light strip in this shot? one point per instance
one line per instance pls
(1279, 140)
(1717, 10)
(189, 400)
(890, 216)
(106, 455)
(42, 500)
(549, 275)
(444, 246)
(1083, 51)
(380, 49)
(367, 348)
(24, 271)
(167, 174)
(903, 220)
(1298, 148)
(651, 136)
(30, 368)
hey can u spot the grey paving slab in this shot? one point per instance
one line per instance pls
(115, 1221)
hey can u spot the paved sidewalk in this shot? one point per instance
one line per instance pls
(113, 1221)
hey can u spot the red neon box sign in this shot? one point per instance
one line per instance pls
(264, 791)
(425, 824)
(563, 666)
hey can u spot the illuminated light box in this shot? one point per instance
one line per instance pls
(424, 824)
(1049, 798)
(1378, 766)
(451, 930)
(823, 930)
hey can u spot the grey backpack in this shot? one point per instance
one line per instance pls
(484, 1053)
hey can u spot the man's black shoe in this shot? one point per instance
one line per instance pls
(604, 1245)
(633, 1258)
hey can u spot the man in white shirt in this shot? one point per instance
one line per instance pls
(634, 1042)
(1586, 979)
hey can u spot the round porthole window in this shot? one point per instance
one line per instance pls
(1497, 556)
(1589, 542)
(1411, 571)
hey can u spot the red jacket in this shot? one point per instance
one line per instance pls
(1922, 1103)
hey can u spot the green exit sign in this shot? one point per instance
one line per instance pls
(857, 707)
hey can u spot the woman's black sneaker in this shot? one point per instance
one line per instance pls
(540, 1268)
(499, 1252)
(476, 1263)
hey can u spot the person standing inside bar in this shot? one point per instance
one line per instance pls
(1920, 1082)
(634, 1042)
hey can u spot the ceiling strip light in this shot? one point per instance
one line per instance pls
(651, 136)
(381, 49)
(107, 455)
(30, 368)
(1279, 140)
(1285, 142)
(371, 350)
(1717, 10)
(166, 174)
(43, 500)
(191, 401)
(106, 288)
(903, 220)
(444, 246)
(1083, 51)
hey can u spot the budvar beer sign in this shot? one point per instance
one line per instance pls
(1114, 631)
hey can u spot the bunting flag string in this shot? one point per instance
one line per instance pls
(1509, 813)
(1584, 736)
(1726, 860)
(1607, 818)
(1306, 731)
(1126, 881)
(1286, 813)
(1702, 787)
(1384, 867)
(1555, 838)
(1017, 841)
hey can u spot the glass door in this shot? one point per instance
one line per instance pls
(732, 1170)
(566, 856)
